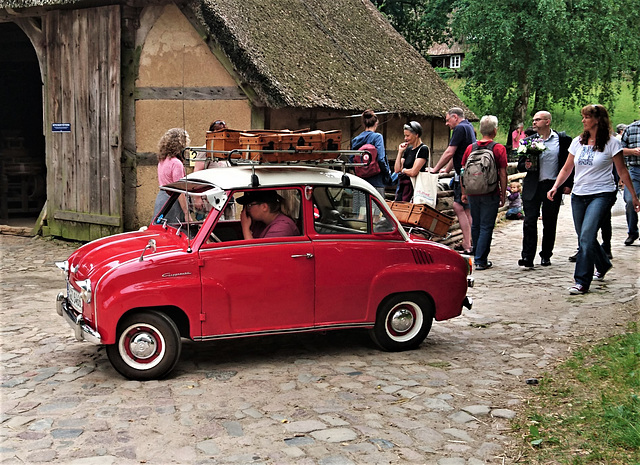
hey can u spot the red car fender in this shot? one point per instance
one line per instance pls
(172, 278)
(446, 286)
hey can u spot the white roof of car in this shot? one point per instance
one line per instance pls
(239, 177)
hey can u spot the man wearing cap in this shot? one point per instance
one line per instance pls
(261, 216)
(631, 151)
(462, 136)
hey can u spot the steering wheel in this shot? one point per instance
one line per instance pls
(213, 237)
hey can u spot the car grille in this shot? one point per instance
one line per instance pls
(421, 257)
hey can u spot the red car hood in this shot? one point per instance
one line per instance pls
(94, 259)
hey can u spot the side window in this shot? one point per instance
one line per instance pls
(340, 211)
(381, 221)
(272, 213)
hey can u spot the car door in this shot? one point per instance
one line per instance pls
(352, 245)
(257, 286)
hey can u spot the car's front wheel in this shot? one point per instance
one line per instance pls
(402, 322)
(147, 346)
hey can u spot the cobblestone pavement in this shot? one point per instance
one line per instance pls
(325, 399)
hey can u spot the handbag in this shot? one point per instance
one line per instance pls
(425, 186)
(620, 207)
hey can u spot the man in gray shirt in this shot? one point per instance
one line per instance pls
(535, 186)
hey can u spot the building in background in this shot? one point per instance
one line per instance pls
(103, 80)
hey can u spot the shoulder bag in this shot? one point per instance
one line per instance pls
(425, 185)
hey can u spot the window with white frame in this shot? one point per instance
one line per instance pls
(454, 61)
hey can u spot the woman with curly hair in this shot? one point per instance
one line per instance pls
(170, 169)
(592, 155)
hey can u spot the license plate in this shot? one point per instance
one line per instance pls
(74, 298)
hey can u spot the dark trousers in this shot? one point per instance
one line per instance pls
(550, 211)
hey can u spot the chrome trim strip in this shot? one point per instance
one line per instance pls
(82, 331)
(305, 241)
(284, 331)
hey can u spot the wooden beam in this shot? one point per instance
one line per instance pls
(189, 93)
(87, 218)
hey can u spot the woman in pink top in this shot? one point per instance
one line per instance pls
(171, 169)
(517, 136)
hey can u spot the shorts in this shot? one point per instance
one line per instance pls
(457, 193)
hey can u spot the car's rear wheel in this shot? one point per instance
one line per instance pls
(402, 322)
(147, 346)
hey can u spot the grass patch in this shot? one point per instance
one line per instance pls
(588, 411)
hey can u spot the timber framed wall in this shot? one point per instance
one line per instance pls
(179, 82)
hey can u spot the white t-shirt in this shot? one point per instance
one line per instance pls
(593, 169)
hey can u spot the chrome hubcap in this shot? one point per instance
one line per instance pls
(142, 345)
(402, 320)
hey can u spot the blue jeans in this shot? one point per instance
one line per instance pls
(587, 211)
(484, 210)
(632, 215)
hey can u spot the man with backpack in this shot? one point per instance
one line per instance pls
(484, 186)
(462, 135)
(536, 184)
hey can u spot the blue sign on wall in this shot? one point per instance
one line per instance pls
(60, 127)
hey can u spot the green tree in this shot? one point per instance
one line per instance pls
(552, 50)
(525, 55)
(421, 22)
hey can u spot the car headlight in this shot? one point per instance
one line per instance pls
(64, 266)
(86, 290)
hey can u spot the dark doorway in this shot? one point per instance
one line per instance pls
(22, 145)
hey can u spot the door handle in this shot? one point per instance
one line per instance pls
(306, 255)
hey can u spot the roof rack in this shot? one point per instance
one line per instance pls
(340, 159)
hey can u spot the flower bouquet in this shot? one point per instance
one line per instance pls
(532, 148)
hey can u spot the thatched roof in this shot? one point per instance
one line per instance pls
(333, 54)
(446, 49)
(340, 54)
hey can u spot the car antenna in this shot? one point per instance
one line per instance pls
(184, 152)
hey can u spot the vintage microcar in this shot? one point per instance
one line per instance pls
(352, 266)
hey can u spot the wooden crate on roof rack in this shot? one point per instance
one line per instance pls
(226, 140)
(298, 146)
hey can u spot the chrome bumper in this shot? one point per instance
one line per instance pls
(82, 331)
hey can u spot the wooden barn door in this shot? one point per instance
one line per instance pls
(82, 123)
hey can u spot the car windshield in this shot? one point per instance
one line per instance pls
(200, 200)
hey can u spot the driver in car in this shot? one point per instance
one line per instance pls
(261, 216)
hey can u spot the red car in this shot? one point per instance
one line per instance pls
(345, 262)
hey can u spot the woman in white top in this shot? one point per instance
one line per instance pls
(592, 155)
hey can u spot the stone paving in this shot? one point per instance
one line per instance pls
(321, 399)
